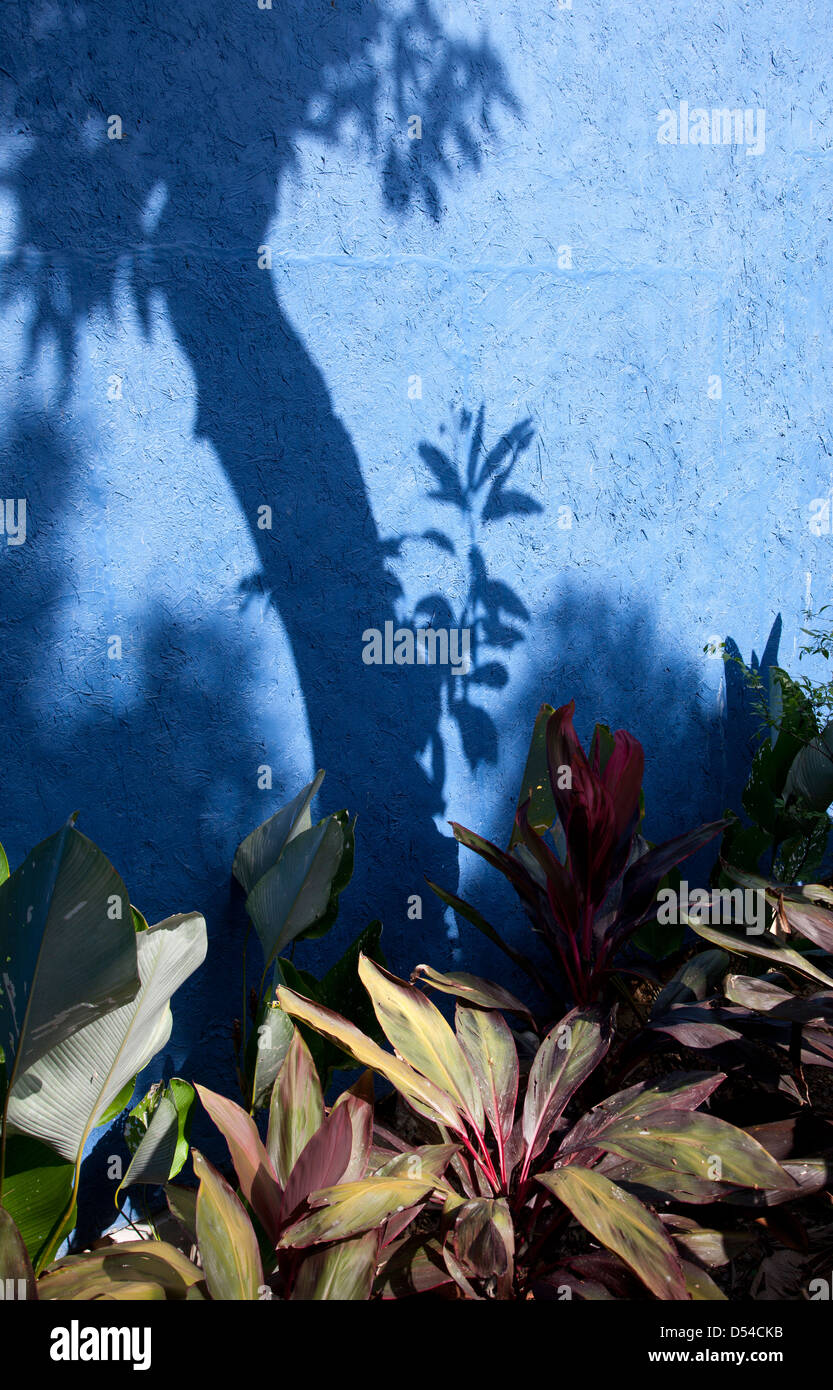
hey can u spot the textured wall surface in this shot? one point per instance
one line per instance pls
(228, 308)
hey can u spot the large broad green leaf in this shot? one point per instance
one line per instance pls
(146, 1264)
(690, 1142)
(472, 990)
(260, 850)
(61, 1097)
(227, 1242)
(414, 1087)
(811, 772)
(163, 1148)
(489, 1047)
(38, 1194)
(252, 1164)
(68, 947)
(768, 949)
(344, 1272)
(16, 1273)
(623, 1225)
(352, 1208)
(4, 865)
(296, 1110)
(420, 1034)
(566, 1057)
(298, 895)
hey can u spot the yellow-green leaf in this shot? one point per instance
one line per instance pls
(350, 1039)
(622, 1224)
(420, 1034)
(354, 1207)
(226, 1238)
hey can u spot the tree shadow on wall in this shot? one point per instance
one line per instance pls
(212, 106)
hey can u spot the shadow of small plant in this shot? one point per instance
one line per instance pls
(476, 483)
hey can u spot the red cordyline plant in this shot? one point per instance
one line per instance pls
(586, 877)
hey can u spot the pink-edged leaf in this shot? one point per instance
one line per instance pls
(352, 1208)
(255, 1173)
(677, 1091)
(566, 1057)
(322, 1162)
(360, 1112)
(296, 1110)
(417, 1090)
(419, 1033)
(471, 989)
(489, 1046)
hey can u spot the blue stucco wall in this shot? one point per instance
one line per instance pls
(537, 256)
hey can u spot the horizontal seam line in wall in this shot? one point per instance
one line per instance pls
(246, 255)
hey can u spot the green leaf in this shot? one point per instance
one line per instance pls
(354, 1207)
(268, 1044)
(535, 783)
(16, 1273)
(811, 772)
(4, 865)
(264, 846)
(690, 1142)
(66, 959)
(38, 1194)
(227, 1242)
(693, 982)
(566, 1057)
(298, 895)
(163, 1149)
(260, 849)
(343, 1273)
(182, 1203)
(623, 1225)
(296, 1110)
(120, 1103)
(420, 1034)
(140, 922)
